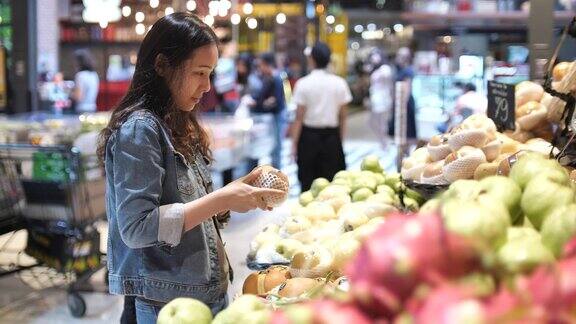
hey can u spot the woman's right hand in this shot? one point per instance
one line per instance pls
(241, 197)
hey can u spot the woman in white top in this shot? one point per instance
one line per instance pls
(381, 95)
(318, 130)
(86, 83)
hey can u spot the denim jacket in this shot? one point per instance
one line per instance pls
(148, 182)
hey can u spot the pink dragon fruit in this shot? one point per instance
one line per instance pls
(450, 304)
(403, 253)
(324, 311)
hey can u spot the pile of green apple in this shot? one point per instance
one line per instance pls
(525, 219)
(362, 185)
(334, 217)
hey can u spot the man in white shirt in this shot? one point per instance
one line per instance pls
(318, 130)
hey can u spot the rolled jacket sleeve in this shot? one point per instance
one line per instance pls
(138, 177)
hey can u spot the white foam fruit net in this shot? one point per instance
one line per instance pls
(273, 179)
(464, 167)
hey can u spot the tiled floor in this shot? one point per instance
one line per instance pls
(22, 299)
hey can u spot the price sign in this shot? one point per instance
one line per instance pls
(502, 105)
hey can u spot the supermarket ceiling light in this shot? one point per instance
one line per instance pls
(126, 11)
(248, 8)
(339, 28)
(140, 29)
(191, 5)
(371, 27)
(169, 11)
(222, 11)
(358, 28)
(139, 16)
(355, 46)
(226, 4)
(103, 24)
(281, 18)
(235, 19)
(398, 28)
(330, 19)
(99, 11)
(209, 20)
(252, 23)
(154, 4)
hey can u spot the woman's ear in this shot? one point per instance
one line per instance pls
(161, 65)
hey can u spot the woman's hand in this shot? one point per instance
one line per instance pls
(239, 196)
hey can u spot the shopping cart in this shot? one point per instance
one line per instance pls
(57, 193)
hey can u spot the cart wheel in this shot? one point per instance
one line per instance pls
(76, 304)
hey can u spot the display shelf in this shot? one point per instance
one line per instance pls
(102, 43)
(495, 20)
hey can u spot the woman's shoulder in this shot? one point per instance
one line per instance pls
(144, 117)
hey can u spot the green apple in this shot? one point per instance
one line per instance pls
(385, 198)
(543, 194)
(376, 209)
(522, 233)
(529, 166)
(507, 191)
(523, 251)
(364, 182)
(461, 189)
(246, 309)
(558, 228)
(414, 195)
(306, 198)
(334, 190)
(431, 206)
(318, 211)
(288, 247)
(371, 163)
(362, 194)
(299, 314)
(343, 175)
(354, 221)
(337, 201)
(393, 180)
(410, 204)
(185, 311)
(319, 185)
(380, 178)
(484, 219)
(342, 182)
(385, 189)
(343, 251)
(297, 223)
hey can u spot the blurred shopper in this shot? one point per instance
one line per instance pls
(269, 99)
(381, 95)
(470, 102)
(467, 104)
(404, 72)
(86, 83)
(318, 130)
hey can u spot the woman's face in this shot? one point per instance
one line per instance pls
(193, 79)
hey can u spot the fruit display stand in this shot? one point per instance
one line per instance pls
(491, 238)
(496, 250)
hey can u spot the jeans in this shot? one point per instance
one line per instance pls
(146, 313)
(279, 129)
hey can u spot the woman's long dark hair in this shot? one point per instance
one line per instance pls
(175, 37)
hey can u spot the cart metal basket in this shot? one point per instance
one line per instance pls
(58, 194)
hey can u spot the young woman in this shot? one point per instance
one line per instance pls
(163, 234)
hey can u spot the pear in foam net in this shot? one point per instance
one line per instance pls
(273, 179)
(463, 163)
